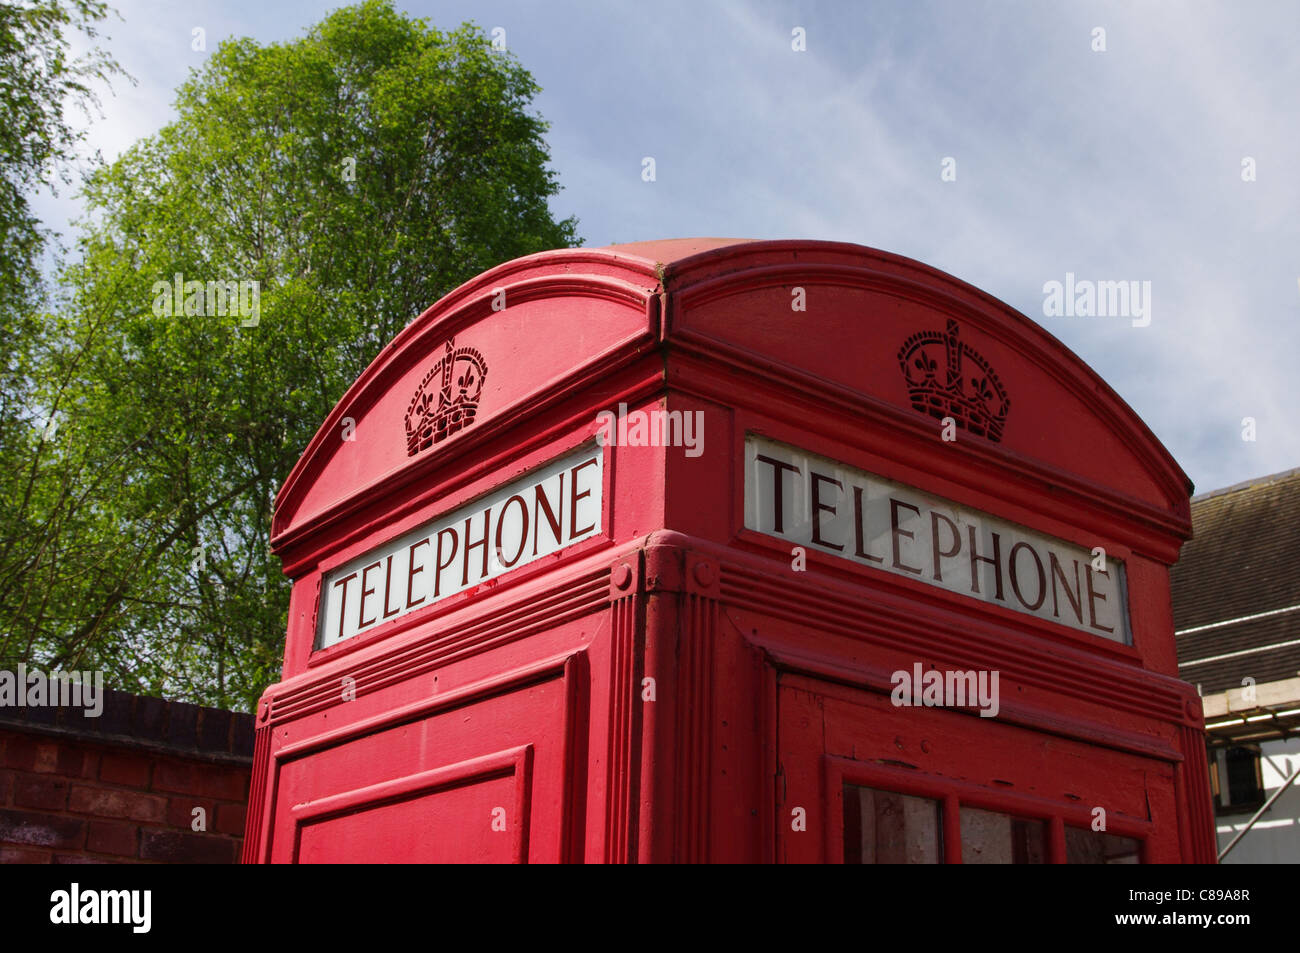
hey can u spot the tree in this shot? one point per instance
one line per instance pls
(341, 183)
(39, 82)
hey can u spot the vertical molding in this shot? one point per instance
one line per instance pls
(623, 759)
(1056, 849)
(573, 826)
(1202, 845)
(951, 829)
(771, 784)
(660, 734)
(694, 718)
(257, 806)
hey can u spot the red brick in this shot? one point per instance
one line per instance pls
(21, 753)
(177, 776)
(229, 784)
(125, 768)
(23, 855)
(41, 830)
(112, 837)
(50, 793)
(178, 848)
(180, 812)
(6, 786)
(230, 819)
(149, 718)
(214, 729)
(182, 726)
(78, 859)
(106, 802)
(90, 766)
(201, 780)
(45, 758)
(70, 760)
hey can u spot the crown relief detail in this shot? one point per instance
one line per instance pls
(447, 399)
(948, 378)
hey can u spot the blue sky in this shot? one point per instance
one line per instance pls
(1117, 165)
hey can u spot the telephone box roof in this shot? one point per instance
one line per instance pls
(621, 300)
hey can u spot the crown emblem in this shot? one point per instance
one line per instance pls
(948, 378)
(447, 399)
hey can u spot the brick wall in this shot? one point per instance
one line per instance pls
(123, 787)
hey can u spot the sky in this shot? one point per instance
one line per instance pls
(996, 141)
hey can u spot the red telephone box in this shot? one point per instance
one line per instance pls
(711, 550)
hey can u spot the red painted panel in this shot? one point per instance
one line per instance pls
(473, 781)
(831, 735)
(1048, 422)
(432, 817)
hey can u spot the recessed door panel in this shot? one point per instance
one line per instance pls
(864, 781)
(480, 780)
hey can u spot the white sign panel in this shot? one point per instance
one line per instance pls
(534, 516)
(814, 502)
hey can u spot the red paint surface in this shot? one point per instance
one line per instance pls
(508, 722)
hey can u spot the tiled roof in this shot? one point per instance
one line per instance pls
(1236, 586)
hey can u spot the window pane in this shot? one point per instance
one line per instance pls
(1084, 846)
(881, 827)
(1235, 779)
(988, 837)
(1243, 777)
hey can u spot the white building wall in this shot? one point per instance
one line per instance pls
(1275, 838)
